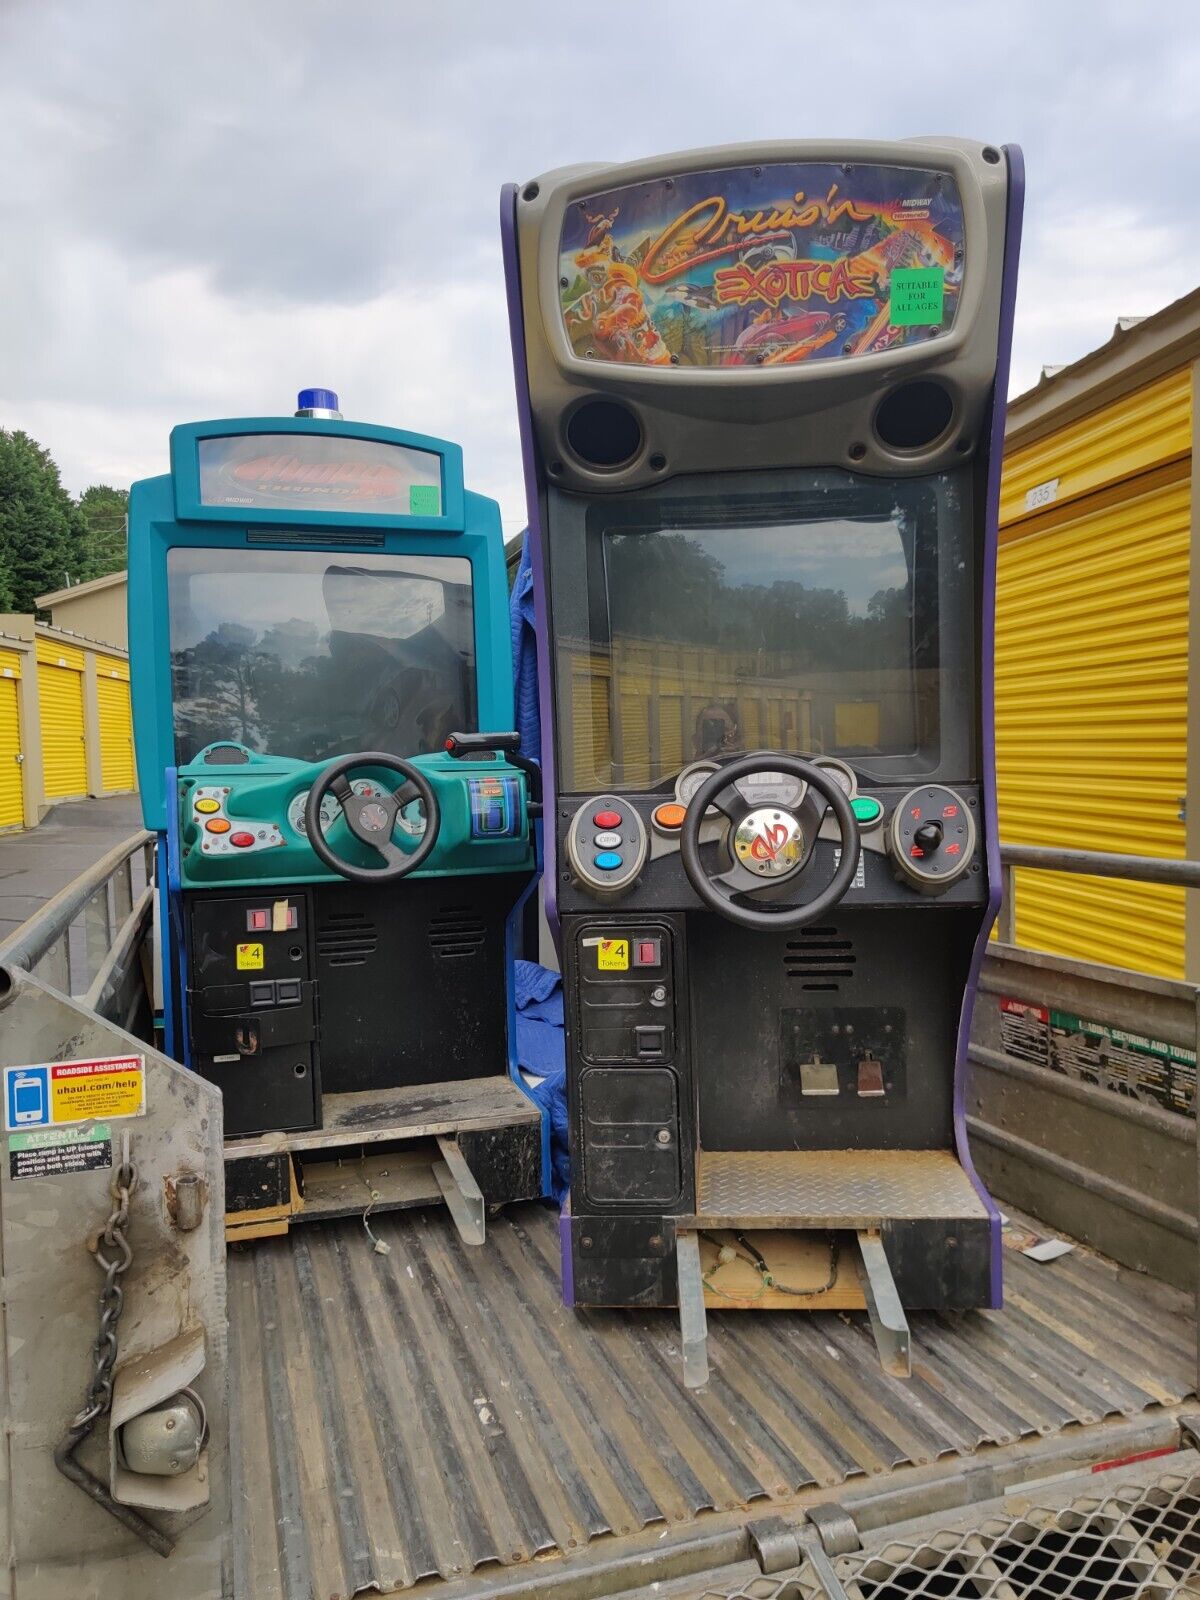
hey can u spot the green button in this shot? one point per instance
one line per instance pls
(867, 809)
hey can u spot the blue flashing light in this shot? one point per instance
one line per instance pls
(317, 400)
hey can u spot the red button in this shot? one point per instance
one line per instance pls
(241, 839)
(607, 819)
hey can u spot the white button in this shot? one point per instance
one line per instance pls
(607, 840)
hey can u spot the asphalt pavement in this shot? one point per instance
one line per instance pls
(37, 863)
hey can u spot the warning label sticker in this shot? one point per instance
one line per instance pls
(52, 1152)
(249, 957)
(59, 1093)
(612, 955)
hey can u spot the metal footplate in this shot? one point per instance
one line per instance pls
(461, 1193)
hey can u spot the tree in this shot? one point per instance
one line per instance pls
(104, 510)
(41, 529)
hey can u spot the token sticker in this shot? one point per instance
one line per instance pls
(249, 957)
(613, 955)
(918, 297)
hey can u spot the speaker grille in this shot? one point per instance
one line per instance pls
(820, 959)
(455, 933)
(346, 939)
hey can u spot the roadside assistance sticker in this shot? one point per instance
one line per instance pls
(249, 957)
(51, 1152)
(59, 1093)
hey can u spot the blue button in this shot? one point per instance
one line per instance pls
(608, 860)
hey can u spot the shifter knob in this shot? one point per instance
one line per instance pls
(928, 836)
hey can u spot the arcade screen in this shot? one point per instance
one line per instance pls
(310, 655)
(320, 472)
(805, 629)
(770, 265)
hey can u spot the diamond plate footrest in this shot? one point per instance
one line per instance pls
(831, 1189)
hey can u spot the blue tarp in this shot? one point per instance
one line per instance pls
(524, 653)
(540, 1050)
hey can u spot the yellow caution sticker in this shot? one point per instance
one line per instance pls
(53, 1093)
(249, 957)
(612, 955)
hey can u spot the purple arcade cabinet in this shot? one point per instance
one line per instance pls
(762, 406)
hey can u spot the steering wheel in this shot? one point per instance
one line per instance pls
(771, 843)
(372, 819)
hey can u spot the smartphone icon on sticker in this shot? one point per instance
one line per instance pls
(29, 1098)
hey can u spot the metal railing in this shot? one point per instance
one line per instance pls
(1091, 863)
(84, 941)
(1168, 1008)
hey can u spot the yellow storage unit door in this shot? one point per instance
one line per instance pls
(1091, 722)
(116, 723)
(12, 808)
(60, 700)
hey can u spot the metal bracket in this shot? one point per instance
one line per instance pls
(1189, 1430)
(888, 1322)
(812, 1549)
(693, 1325)
(773, 1544)
(837, 1528)
(461, 1193)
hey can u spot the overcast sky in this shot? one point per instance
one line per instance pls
(206, 205)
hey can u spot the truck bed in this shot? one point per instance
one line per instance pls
(435, 1410)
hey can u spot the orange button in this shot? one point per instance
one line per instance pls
(217, 825)
(670, 816)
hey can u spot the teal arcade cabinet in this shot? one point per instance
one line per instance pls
(322, 688)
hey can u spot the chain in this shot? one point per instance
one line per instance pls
(114, 1257)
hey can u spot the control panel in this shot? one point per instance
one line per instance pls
(610, 839)
(606, 845)
(221, 834)
(932, 837)
(243, 821)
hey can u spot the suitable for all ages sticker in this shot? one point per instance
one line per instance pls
(424, 500)
(57, 1093)
(918, 297)
(249, 957)
(51, 1152)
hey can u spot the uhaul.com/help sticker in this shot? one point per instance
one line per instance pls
(54, 1094)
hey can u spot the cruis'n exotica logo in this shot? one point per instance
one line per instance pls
(710, 230)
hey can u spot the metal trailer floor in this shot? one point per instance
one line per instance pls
(426, 1412)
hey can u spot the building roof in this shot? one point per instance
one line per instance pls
(1140, 350)
(109, 581)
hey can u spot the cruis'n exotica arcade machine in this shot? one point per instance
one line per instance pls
(322, 680)
(762, 393)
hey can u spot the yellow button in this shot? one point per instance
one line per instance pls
(208, 806)
(670, 816)
(217, 825)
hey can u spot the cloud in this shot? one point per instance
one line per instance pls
(206, 207)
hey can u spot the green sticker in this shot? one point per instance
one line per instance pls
(918, 297)
(424, 500)
(43, 1138)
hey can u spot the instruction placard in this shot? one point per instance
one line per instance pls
(51, 1152)
(249, 957)
(59, 1093)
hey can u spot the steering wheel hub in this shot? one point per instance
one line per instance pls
(769, 842)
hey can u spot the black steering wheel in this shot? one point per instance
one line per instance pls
(770, 843)
(371, 819)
